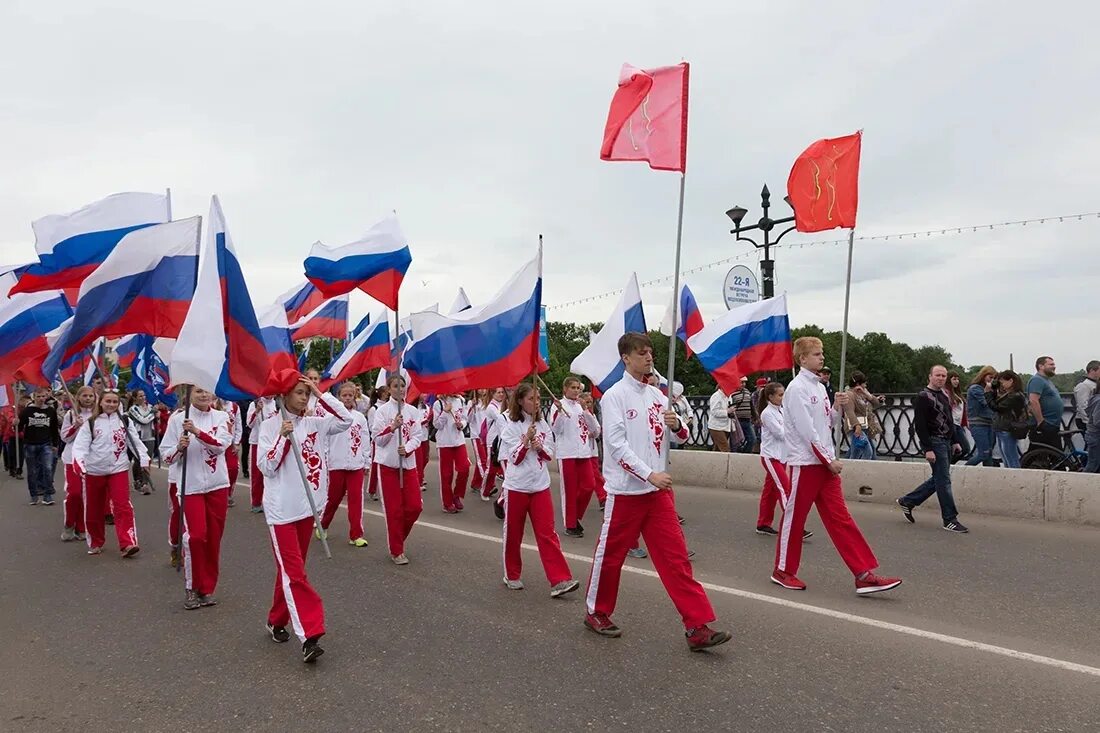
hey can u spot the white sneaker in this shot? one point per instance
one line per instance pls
(486, 498)
(566, 586)
(514, 584)
(68, 534)
(401, 559)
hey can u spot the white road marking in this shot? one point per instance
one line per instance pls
(795, 605)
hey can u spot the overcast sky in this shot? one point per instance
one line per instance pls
(480, 123)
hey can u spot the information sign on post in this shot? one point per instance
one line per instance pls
(740, 287)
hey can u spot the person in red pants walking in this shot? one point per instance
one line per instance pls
(574, 427)
(348, 453)
(593, 451)
(475, 418)
(201, 441)
(74, 487)
(259, 411)
(491, 422)
(777, 486)
(100, 457)
(636, 422)
(286, 505)
(397, 434)
(808, 419)
(449, 418)
(529, 445)
(235, 427)
(423, 452)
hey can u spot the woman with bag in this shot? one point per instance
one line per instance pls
(1005, 396)
(861, 421)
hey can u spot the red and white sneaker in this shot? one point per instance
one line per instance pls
(787, 580)
(872, 583)
(704, 637)
(602, 624)
(458, 504)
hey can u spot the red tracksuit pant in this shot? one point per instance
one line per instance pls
(481, 464)
(423, 458)
(597, 475)
(304, 612)
(233, 463)
(777, 487)
(518, 505)
(372, 482)
(401, 503)
(74, 499)
(577, 485)
(350, 483)
(173, 515)
(653, 515)
(256, 478)
(97, 491)
(203, 525)
(817, 485)
(454, 473)
(495, 469)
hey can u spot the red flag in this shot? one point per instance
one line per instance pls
(824, 184)
(648, 118)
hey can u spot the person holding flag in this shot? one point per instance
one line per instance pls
(74, 487)
(573, 426)
(449, 415)
(397, 434)
(348, 453)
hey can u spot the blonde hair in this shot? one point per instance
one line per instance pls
(805, 345)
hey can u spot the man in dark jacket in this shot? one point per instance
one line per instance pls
(936, 432)
(40, 425)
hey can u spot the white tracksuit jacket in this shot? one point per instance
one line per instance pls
(807, 422)
(527, 470)
(449, 427)
(772, 444)
(206, 469)
(69, 429)
(633, 433)
(350, 450)
(573, 427)
(104, 453)
(385, 439)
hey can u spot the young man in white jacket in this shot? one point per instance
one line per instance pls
(573, 428)
(636, 424)
(450, 418)
(206, 494)
(287, 507)
(348, 453)
(808, 419)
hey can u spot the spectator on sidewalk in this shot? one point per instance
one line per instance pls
(826, 376)
(979, 416)
(936, 432)
(683, 409)
(719, 413)
(1005, 396)
(1045, 404)
(1083, 392)
(958, 413)
(860, 421)
(745, 412)
(1092, 435)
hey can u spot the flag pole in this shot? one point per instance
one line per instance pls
(535, 363)
(283, 414)
(847, 298)
(168, 202)
(675, 306)
(183, 477)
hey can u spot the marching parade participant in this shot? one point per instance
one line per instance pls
(490, 434)
(479, 401)
(397, 435)
(423, 453)
(259, 411)
(380, 396)
(74, 487)
(235, 428)
(529, 444)
(593, 451)
(449, 418)
(636, 420)
(573, 428)
(206, 494)
(777, 485)
(348, 453)
(808, 419)
(286, 504)
(142, 414)
(100, 457)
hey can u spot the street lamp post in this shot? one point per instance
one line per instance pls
(765, 225)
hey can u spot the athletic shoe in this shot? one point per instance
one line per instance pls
(486, 497)
(639, 552)
(279, 634)
(19, 475)
(130, 551)
(494, 491)
(807, 534)
(458, 504)
(358, 543)
(704, 637)
(424, 486)
(48, 501)
(207, 601)
(401, 559)
(680, 518)
(319, 533)
(766, 530)
(574, 532)
(513, 584)
(231, 502)
(787, 580)
(498, 510)
(374, 497)
(256, 510)
(449, 510)
(580, 526)
(192, 601)
(871, 583)
(94, 550)
(78, 536)
(174, 558)
(691, 554)
(602, 624)
(956, 526)
(601, 505)
(311, 650)
(34, 502)
(146, 490)
(907, 512)
(566, 586)
(68, 534)
(109, 519)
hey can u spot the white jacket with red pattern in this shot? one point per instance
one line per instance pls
(385, 443)
(449, 425)
(573, 429)
(104, 452)
(527, 464)
(285, 499)
(808, 421)
(256, 417)
(206, 469)
(633, 435)
(351, 449)
(69, 429)
(235, 425)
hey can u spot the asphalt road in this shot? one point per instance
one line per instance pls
(993, 631)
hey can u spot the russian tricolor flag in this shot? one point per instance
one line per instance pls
(300, 301)
(128, 347)
(95, 364)
(220, 347)
(276, 338)
(749, 339)
(689, 321)
(330, 320)
(376, 264)
(71, 246)
(359, 328)
(462, 302)
(600, 360)
(369, 350)
(488, 346)
(25, 320)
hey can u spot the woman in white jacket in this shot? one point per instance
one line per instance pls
(200, 441)
(142, 414)
(397, 434)
(528, 444)
(100, 457)
(490, 433)
(348, 453)
(74, 487)
(777, 484)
